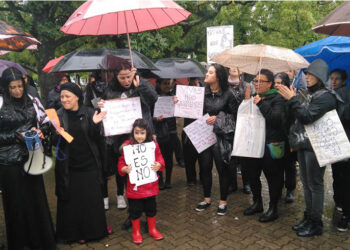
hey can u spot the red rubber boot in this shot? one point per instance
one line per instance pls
(151, 221)
(136, 234)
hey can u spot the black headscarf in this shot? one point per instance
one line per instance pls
(75, 89)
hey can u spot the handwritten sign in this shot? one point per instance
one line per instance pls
(141, 157)
(328, 139)
(121, 114)
(201, 134)
(191, 101)
(164, 106)
(219, 38)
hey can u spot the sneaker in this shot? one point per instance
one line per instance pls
(109, 229)
(339, 209)
(342, 225)
(222, 210)
(106, 203)
(202, 206)
(121, 203)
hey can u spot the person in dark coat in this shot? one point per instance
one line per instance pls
(319, 101)
(271, 106)
(221, 105)
(53, 100)
(27, 215)
(80, 210)
(341, 170)
(31, 88)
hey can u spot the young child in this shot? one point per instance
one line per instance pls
(144, 198)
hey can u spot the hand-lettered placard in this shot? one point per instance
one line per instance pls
(121, 114)
(328, 139)
(190, 101)
(201, 134)
(164, 107)
(141, 157)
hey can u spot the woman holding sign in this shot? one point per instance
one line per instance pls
(318, 102)
(27, 214)
(80, 208)
(221, 105)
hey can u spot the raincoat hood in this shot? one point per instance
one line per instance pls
(319, 68)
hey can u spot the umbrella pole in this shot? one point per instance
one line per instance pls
(132, 63)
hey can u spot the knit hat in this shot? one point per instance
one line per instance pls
(319, 68)
(74, 88)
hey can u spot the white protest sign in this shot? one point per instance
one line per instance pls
(121, 114)
(219, 38)
(141, 157)
(328, 139)
(164, 106)
(190, 101)
(201, 134)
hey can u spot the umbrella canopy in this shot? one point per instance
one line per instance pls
(6, 64)
(91, 60)
(178, 68)
(51, 64)
(14, 39)
(334, 50)
(336, 23)
(250, 58)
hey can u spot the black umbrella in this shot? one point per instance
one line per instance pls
(178, 68)
(91, 59)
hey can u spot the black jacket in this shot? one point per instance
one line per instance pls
(15, 118)
(53, 100)
(94, 90)
(344, 109)
(273, 109)
(91, 134)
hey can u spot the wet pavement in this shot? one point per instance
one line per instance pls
(184, 228)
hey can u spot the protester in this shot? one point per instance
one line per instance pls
(319, 101)
(53, 100)
(27, 215)
(189, 151)
(238, 87)
(166, 133)
(31, 88)
(221, 105)
(80, 210)
(271, 105)
(341, 170)
(289, 163)
(142, 198)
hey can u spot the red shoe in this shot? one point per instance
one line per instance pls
(136, 234)
(109, 229)
(151, 221)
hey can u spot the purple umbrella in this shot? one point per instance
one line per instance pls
(6, 64)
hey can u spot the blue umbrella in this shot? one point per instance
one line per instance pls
(334, 50)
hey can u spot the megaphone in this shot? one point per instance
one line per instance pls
(38, 163)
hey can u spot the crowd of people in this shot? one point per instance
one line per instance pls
(84, 166)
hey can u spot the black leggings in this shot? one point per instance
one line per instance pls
(206, 165)
(147, 205)
(166, 148)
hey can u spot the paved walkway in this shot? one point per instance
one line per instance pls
(184, 228)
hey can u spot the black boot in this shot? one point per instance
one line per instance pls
(127, 224)
(246, 189)
(270, 215)
(314, 227)
(289, 197)
(257, 207)
(302, 223)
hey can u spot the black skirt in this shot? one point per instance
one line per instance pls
(27, 215)
(82, 216)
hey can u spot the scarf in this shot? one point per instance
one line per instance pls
(269, 92)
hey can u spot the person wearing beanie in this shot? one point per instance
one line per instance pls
(80, 211)
(318, 101)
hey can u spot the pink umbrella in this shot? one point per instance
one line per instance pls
(115, 17)
(50, 64)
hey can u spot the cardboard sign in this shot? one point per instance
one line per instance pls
(141, 157)
(121, 114)
(201, 134)
(55, 121)
(219, 38)
(164, 106)
(328, 139)
(190, 102)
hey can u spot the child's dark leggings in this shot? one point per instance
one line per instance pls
(147, 205)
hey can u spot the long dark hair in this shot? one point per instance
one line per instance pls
(141, 123)
(12, 74)
(115, 85)
(221, 75)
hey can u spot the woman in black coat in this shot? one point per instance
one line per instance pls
(80, 209)
(27, 214)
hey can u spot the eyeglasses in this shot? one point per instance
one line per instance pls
(256, 81)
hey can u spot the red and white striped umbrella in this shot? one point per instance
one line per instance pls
(115, 17)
